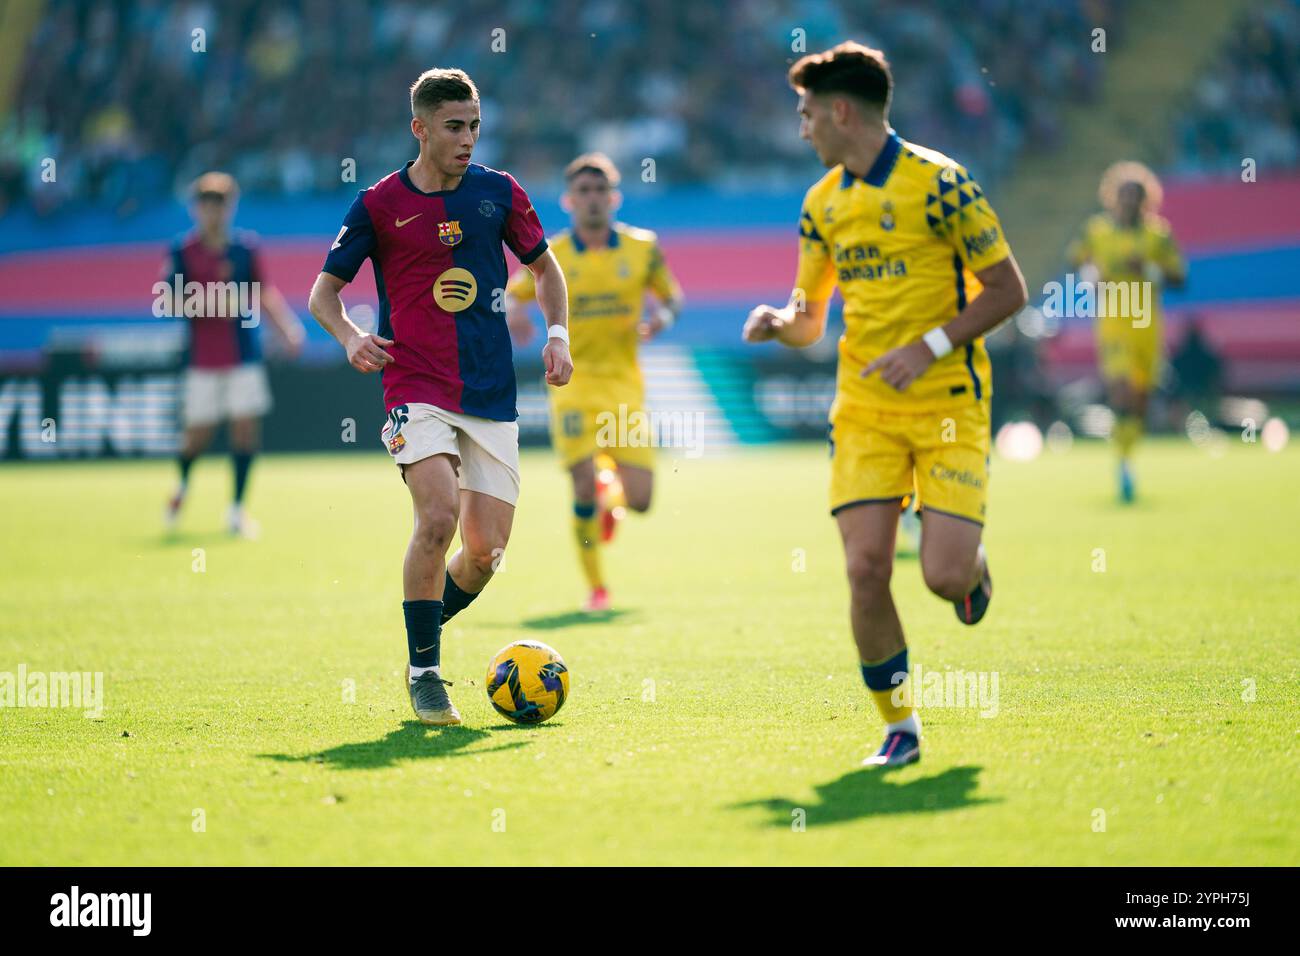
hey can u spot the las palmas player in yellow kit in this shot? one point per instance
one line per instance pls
(610, 267)
(925, 271)
(1128, 246)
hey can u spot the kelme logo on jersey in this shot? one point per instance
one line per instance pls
(455, 290)
(981, 242)
(449, 233)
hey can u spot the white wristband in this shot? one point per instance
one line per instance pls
(938, 342)
(666, 317)
(558, 332)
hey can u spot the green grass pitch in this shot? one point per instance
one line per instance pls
(1146, 713)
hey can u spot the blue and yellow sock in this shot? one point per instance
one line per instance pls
(891, 689)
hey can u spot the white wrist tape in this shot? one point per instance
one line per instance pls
(666, 317)
(938, 342)
(558, 332)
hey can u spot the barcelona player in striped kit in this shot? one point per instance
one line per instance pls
(434, 232)
(225, 379)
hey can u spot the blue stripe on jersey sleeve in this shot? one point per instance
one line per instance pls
(532, 254)
(354, 243)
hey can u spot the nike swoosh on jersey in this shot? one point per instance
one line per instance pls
(399, 223)
(421, 650)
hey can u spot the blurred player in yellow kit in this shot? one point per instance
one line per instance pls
(1131, 248)
(599, 425)
(925, 270)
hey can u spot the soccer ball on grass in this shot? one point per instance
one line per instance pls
(527, 682)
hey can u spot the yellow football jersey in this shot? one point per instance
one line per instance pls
(1116, 249)
(902, 245)
(607, 289)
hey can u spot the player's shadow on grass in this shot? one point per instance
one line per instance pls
(554, 622)
(869, 793)
(411, 741)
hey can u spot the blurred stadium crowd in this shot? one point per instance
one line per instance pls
(285, 91)
(1248, 104)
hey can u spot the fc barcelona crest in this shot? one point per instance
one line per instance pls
(449, 232)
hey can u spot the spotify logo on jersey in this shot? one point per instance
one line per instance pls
(455, 290)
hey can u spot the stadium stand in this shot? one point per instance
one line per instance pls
(115, 94)
(284, 90)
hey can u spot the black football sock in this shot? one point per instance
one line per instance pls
(184, 464)
(454, 600)
(243, 461)
(423, 632)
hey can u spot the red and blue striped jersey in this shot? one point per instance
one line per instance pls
(218, 341)
(440, 271)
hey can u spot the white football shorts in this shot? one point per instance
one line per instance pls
(214, 395)
(484, 452)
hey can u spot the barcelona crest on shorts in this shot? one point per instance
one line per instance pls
(449, 232)
(392, 430)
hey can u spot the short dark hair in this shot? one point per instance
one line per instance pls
(849, 68)
(597, 163)
(435, 87)
(215, 187)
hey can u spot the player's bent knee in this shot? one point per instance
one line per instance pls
(484, 558)
(948, 580)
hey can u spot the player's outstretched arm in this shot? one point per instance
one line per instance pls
(798, 325)
(365, 351)
(553, 297)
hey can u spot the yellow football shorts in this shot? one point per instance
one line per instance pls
(1130, 355)
(601, 417)
(941, 456)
